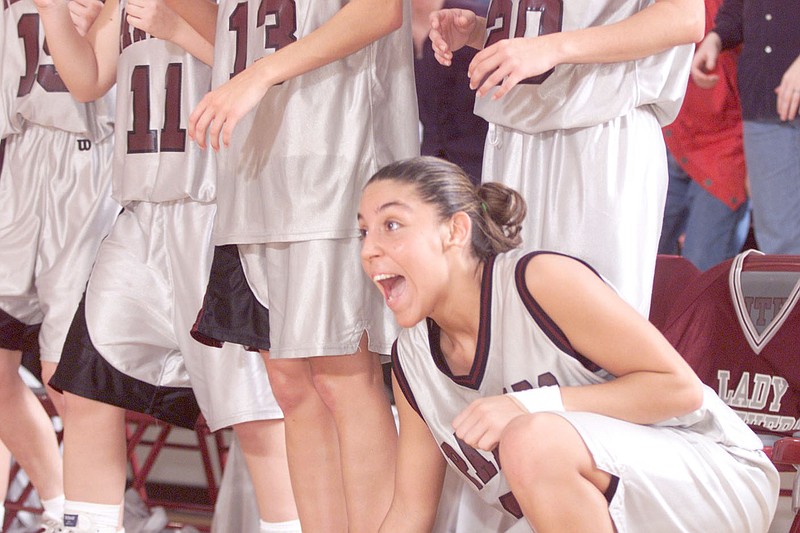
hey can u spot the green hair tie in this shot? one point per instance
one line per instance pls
(484, 207)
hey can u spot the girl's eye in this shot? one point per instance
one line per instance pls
(392, 225)
(362, 233)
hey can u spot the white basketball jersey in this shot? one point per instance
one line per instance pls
(158, 86)
(576, 96)
(297, 163)
(31, 89)
(519, 347)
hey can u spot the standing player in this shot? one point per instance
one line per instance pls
(55, 208)
(129, 345)
(532, 378)
(333, 99)
(576, 94)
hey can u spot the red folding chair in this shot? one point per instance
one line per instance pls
(149, 436)
(152, 435)
(786, 451)
(738, 326)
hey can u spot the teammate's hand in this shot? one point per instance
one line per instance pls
(154, 17)
(482, 423)
(451, 30)
(788, 92)
(220, 110)
(705, 61)
(84, 13)
(509, 61)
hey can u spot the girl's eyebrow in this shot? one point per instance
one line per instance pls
(387, 205)
(394, 203)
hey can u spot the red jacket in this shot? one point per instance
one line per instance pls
(706, 137)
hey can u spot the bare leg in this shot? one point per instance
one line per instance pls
(27, 430)
(48, 369)
(263, 445)
(311, 445)
(95, 461)
(352, 388)
(553, 476)
(5, 466)
(340, 433)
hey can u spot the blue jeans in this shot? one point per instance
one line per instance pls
(713, 232)
(772, 151)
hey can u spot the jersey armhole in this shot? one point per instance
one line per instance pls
(540, 316)
(402, 381)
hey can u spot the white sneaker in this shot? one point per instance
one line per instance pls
(82, 524)
(50, 524)
(96, 530)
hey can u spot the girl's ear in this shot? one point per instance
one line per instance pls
(460, 230)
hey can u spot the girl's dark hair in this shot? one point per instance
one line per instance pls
(496, 211)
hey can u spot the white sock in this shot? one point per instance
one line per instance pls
(100, 516)
(54, 507)
(292, 526)
(2, 515)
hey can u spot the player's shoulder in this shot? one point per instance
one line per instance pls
(549, 272)
(547, 264)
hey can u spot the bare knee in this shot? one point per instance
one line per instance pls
(291, 382)
(48, 369)
(260, 437)
(330, 388)
(541, 450)
(342, 381)
(528, 445)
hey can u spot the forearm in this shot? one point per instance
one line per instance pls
(188, 38)
(74, 56)
(641, 397)
(653, 382)
(201, 16)
(419, 473)
(416, 497)
(660, 26)
(398, 521)
(356, 25)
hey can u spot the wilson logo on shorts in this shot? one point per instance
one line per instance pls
(84, 145)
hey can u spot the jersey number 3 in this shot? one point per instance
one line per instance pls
(277, 17)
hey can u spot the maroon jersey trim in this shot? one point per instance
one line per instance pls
(474, 378)
(402, 381)
(540, 316)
